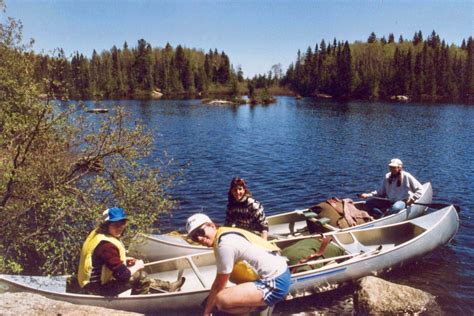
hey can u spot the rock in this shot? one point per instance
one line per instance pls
(156, 94)
(97, 110)
(401, 98)
(33, 304)
(323, 96)
(377, 296)
(219, 102)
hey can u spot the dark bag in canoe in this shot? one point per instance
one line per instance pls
(342, 213)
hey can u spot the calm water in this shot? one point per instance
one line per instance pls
(296, 153)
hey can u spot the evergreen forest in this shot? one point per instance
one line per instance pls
(424, 70)
(134, 72)
(427, 70)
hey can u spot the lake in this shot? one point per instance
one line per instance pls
(296, 153)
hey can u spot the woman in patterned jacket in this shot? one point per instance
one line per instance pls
(243, 210)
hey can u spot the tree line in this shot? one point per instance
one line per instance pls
(134, 72)
(424, 70)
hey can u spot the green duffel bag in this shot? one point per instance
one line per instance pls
(305, 248)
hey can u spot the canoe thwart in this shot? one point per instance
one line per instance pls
(310, 214)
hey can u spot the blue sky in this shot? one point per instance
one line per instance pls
(255, 34)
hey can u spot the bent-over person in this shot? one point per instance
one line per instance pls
(261, 274)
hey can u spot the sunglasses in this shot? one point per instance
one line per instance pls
(199, 232)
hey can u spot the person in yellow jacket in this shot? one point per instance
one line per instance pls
(104, 268)
(265, 280)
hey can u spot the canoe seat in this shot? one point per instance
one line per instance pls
(350, 243)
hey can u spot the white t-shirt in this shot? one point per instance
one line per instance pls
(234, 247)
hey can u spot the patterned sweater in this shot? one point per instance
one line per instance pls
(247, 214)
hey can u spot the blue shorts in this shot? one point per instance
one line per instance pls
(274, 290)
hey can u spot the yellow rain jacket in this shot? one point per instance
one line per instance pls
(85, 263)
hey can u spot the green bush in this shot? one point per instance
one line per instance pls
(51, 190)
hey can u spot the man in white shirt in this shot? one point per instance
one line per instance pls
(399, 189)
(265, 280)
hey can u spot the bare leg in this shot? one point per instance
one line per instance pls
(239, 299)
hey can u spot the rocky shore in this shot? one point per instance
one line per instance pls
(372, 296)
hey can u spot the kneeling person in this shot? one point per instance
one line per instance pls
(104, 268)
(265, 281)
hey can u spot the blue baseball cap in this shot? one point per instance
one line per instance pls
(114, 214)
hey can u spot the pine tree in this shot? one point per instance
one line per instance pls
(240, 74)
(94, 75)
(372, 38)
(417, 38)
(223, 71)
(344, 72)
(142, 68)
(118, 87)
(468, 87)
(187, 77)
(429, 73)
(418, 81)
(127, 67)
(391, 38)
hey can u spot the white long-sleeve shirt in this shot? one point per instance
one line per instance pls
(409, 188)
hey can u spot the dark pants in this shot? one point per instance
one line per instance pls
(139, 283)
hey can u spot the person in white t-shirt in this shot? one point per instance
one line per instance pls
(267, 278)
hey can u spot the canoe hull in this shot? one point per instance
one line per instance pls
(440, 233)
(165, 304)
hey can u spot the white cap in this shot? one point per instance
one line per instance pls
(196, 221)
(395, 162)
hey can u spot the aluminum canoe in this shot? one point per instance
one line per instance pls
(367, 252)
(158, 247)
